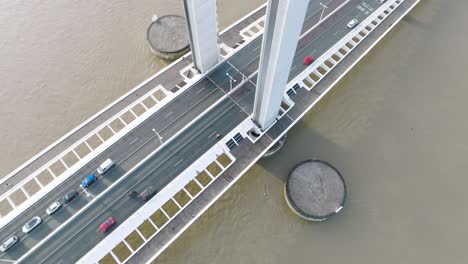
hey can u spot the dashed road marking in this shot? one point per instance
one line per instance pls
(168, 114)
(133, 141)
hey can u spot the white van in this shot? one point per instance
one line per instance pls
(105, 166)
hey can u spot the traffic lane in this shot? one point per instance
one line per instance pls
(314, 38)
(141, 134)
(245, 96)
(189, 147)
(184, 101)
(315, 7)
(329, 37)
(159, 178)
(251, 51)
(191, 115)
(117, 172)
(122, 209)
(313, 18)
(248, 61)
(100, 206)
(27, 241)
(189, 103)
(340, 29)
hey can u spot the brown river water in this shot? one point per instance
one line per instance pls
(395, 127)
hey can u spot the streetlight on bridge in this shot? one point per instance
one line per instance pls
(159, 137)
(323, 11)
(231, 80)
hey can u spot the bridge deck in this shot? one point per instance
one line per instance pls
(33, 179)
(248, 153)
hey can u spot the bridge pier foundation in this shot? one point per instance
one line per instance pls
(276, 147)
(315, 190)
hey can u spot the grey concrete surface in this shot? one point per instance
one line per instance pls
(314, 190)
(167, 36)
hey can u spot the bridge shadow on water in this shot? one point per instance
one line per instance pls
(302, 143)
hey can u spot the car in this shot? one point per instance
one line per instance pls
(353, 23)
(308, 60)
(53, 207)
(31, 224)
(105, 166)
(381, 1)
(106, 225)
(147, 193)
(70, 196)
(9, 243)
(88, 181)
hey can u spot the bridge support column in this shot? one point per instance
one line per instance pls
(202, 26)
(283, 26)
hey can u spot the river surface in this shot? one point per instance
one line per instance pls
(395, 127)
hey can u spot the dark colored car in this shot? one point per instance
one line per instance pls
(70, 196)
(147, 194)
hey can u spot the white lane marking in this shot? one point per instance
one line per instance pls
(201, 90)
(168, 114)
(212, 134)
(323, 19)
(175, 165)
(133, 141)
(185, 112)
(88, 194)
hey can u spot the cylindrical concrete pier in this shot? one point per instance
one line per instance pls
(168, 37)
(315, 190)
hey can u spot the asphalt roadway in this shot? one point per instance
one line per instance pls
(158, 171)
(78, 236)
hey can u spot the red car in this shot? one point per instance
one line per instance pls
(106, 225)
(308, 59)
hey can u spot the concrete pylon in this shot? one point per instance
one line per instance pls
(202, 26)
(283, 26)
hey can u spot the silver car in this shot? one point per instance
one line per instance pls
(53, 207)
(31, 224)
(9, 243)
(353, 23)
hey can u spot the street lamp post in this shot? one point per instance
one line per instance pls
(231, 80)
(323, 11)
(159, 137)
